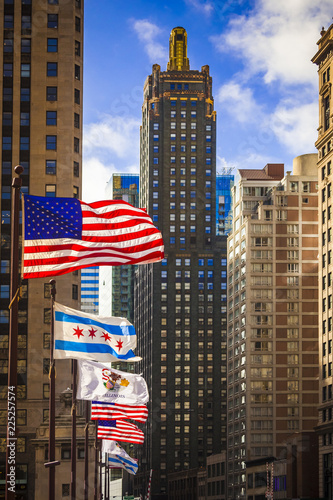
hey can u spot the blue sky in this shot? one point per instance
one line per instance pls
(259, 52)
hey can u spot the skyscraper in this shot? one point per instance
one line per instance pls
(41, 128)
(180, 303)
(125, 187)
(324, 58)
(272, 319)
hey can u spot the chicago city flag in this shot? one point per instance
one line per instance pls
(118, 458)
(65, 234)
(100, 382)
(86, 336)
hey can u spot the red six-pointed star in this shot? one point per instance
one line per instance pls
(106, 336)
(119, 344)
(78, 331)
(92, 332)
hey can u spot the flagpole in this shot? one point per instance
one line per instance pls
(96, 465)
(11, 448)
(105, 497)
(100, 474)
(52, 462)
(86, 451)
(73, 442)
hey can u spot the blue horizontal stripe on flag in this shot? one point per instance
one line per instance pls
(128, 465)
(125, 330)
(124, 461)
(67, 345)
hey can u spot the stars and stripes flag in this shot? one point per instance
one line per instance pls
(81, 335)
(115, 411)
(65, 234)
(119, 430)
(118, 458)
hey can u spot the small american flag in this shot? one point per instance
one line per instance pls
(115, 411)
(119, 430)
(65, 234)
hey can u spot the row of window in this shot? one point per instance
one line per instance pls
(183, 102)
(156, 137)
(183, 148)
(51, 70)
(182, 171)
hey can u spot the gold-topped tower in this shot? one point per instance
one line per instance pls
(178, 60)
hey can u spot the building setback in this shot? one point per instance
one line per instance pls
(41, 69)
(324, 58)
(272, 317)
(180, 303)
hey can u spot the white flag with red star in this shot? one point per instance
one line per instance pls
(81, 335)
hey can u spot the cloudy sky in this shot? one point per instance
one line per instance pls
(259, 52)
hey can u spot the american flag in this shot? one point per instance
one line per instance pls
(65, 234)
(119, 430)
(115, 411)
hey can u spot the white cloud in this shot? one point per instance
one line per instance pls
(115, 135)
(277, 39)
(223, 166)
(203, 7)
(295, 126)
(111, 145)
(147, 33)
(239, 102)
(95, 175)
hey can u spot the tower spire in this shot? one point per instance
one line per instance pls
(178, 60)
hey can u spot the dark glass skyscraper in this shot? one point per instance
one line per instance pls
(180, 303)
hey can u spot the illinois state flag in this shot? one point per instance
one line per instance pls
(118, 458)
(98, 381)
(65, 234)
(86, 336)
(119, 430)
(114, 411)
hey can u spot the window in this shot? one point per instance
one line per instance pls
(51, 69)
(25, 45)
(76, 120)
(76, 169)
(26, 23)
(51, 118)
(8, 70)
(75, 292)
(76, 96)
(9, 21)
(52, 20)
(24, 143)
(51, 142)
(77, 71)
(50, 192)
(25, 119)
(51, 93)
(52, 44)
(77, 24)
(77, 48)
(25, 70)
(51, 167)
(76, 145)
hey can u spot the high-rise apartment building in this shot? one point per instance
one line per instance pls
(41, 129)
(90, 290)
(324, 59)
(224, 183)
(180, 303)
(124, 187)
(272, 316)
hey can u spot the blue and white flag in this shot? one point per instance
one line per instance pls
(118, 458)
(86, 336)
